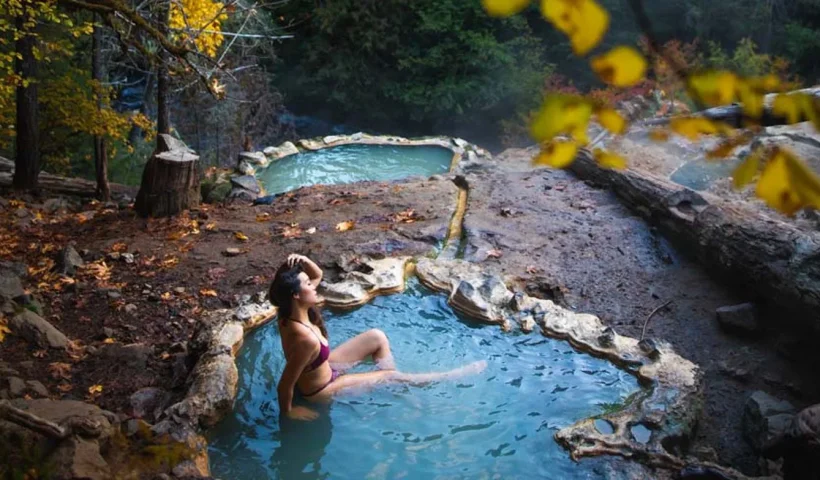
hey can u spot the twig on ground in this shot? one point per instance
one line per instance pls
(646, 322)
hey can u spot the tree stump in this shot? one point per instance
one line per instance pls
(170, 181)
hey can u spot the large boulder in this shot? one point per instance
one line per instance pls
(10, 285)
(283, 150)
(765, 418)
(800, 446)
(68, 261)
(484, 299)
(37, 330)
(740, 318)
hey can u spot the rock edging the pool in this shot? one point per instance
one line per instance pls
(245, 186)
(668, 405)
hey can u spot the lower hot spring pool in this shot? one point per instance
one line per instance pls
(496, 424)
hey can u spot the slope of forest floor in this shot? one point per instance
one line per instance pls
(146, 282)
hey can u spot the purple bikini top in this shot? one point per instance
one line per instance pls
(324, 350)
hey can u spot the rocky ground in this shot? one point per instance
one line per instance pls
(128, 293)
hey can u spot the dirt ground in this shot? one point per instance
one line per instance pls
(551, 234)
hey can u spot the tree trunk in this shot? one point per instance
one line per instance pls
(100, 154)
(27, 161)
(170, 182)
(163, 81)
(773, 259)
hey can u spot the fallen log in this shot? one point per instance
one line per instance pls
(764, 255)
(62, 185)
(734, 116)
(68, 185)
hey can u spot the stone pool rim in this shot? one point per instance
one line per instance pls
(667, 403)
(251, 163)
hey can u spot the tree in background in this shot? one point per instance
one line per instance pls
(414, 67)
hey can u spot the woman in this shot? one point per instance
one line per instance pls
(307, 351)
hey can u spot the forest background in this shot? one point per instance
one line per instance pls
(265, 72)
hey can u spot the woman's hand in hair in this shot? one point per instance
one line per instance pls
(313, 271)
(295, 258)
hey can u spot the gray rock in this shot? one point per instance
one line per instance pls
(283, 150)
(68, 261)
(740, 318)
(114, 295)
(232, 252)
(245, 168)
(765, 418)
(37, 388)
(21, 212)
(128, 257)
(10, 286)
(134, 355)
(17, 387)
(247, 182)
(53, 205)
(254, 158)
(149, 402)
(218, 193)
(37, 330)
(18, 268)
(240, 194)
(130, 309)
(7, 371)
(735, 372)
(179, 290)
(109, 332)
(78, 458)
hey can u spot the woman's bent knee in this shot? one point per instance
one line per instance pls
(378, 335)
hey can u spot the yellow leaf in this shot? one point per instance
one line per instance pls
(583, 21)
(787, 106)
(746, 171)
(263, 217)
(109, 340)
(165, 296)
(775, 188)
(210, 227)
(93, 389)
(241, 236)
(558, 154)
(609, 159)
(561, 114)
(3, 330)
(693, 127)
(345, 226)
(622, 66)
(714, 87)
(659, 135)
(207, 292)
(726, 147)
(611, 120)
(504, 8)
(804, 180)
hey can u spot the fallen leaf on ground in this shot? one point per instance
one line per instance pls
(65, 387)
(3, 329)
(263, 217)
(240, 236)
(166, 296)
(93, 389)
(210, 227)
(311, 230)
(532, 269)
(119, 247)
(60, 370)
(208, 292)
(40, 353)
(109, 340)
(292, 231)
(345, 226)
(494, 253)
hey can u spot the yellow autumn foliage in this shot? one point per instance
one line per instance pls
(199, 22)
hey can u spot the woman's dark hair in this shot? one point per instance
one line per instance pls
(285, 285)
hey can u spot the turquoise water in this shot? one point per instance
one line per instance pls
(353, 163)
(497, 424)
(701, 174)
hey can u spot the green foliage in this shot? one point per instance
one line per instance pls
(427, 64)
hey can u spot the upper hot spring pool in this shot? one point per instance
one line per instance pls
(496, 424)
(353, 163)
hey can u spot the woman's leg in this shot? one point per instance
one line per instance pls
(363, 381)
(370, 343)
